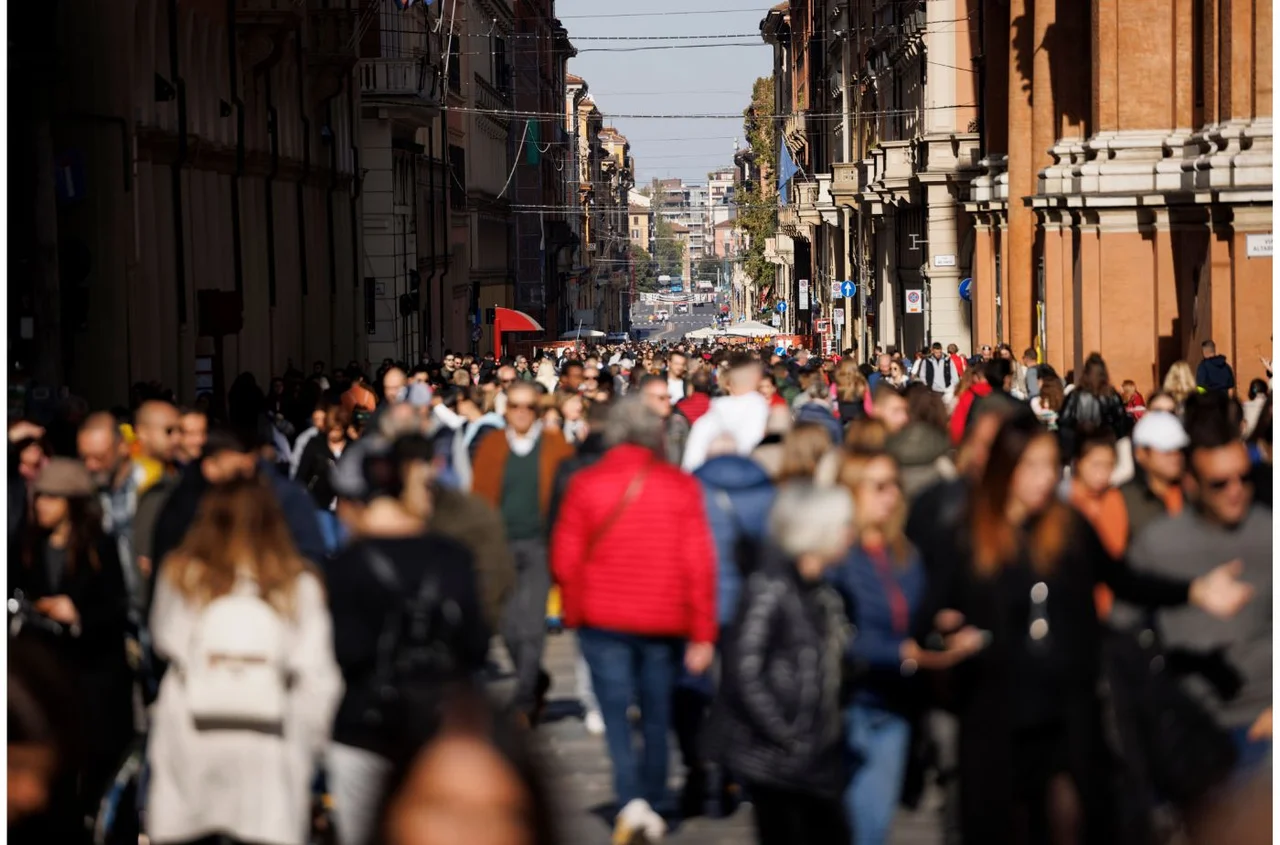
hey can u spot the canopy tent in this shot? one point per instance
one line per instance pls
(751, 328)
(510, 320)
(705, 333)
(579, 334)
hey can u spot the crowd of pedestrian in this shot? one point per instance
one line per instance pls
(319, 612)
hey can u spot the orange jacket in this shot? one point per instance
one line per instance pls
(491, 461)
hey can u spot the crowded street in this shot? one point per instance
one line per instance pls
(567, 422)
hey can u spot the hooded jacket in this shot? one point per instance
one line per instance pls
(743, 417)
(1215, 375)
(738, 495)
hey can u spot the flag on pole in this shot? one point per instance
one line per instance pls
(786, 169)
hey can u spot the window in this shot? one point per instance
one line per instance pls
(501, 72)
(457, 178)
(455, 64)
(635, 234)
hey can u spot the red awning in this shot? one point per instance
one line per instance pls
(511, 320)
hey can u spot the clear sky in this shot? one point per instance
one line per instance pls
(703, 80)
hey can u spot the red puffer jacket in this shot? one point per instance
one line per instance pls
(652, 567)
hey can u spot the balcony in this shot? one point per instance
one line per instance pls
(408, 87)
(807, 203)
(846, 182)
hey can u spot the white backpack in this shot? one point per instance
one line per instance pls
(236, 677)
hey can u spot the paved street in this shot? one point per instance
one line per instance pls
(581, 772)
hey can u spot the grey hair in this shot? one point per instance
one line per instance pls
(632, 421)
(808, 519)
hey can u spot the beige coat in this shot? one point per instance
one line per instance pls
(251, 786)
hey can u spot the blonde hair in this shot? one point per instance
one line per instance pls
(1180, 382)
(851, 384)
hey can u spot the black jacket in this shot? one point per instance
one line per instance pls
(95, 658)
(1083, 412)
(589, 451)
(777, 720)
(1019, 687)
(360, 606)
(1215, 375)
(314, 471)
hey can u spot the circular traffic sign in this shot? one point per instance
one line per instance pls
(848, 289)
(966, 289)
(913, 297)
(782, 307)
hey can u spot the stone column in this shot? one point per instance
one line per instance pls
(1023, 161)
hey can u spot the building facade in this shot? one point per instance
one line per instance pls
(1115, 214)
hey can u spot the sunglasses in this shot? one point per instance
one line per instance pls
(1220, 484)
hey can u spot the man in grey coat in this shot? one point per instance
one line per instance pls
(1225, 664)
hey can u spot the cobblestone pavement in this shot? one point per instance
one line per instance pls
(582, 776)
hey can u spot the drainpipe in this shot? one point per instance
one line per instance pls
(431, 236)
(273, 132)
(330, 236)
(237, 245)
(445, 207)
(357, 279)
(299, 195)
(179, 161)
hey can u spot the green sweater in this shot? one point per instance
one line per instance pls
(520, 506)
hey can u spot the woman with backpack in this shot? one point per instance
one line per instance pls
(407, 622)
(1093, 406)
(245, 711)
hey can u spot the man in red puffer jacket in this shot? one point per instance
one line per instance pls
(633, 555)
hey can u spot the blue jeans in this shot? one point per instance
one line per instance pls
(627, 668)
(878, 741)
(1253, 754)
(332, 530)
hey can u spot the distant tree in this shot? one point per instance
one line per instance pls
(646, 269)
(707, 267)
(668, 251)
(758, 201)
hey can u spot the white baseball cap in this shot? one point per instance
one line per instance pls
(1161, 431)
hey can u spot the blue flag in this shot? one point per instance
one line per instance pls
(786, 169)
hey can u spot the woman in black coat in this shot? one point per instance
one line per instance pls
(74, 597)
(1033, 761)
(776, 723)
(318, 459)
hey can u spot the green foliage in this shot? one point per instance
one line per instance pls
(668, 252)
(758, 201)
(706, 268)
(646, 270)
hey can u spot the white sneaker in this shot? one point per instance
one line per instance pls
(655, 827)
(593, 722)
(631, 825)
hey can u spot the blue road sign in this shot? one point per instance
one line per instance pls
(780, 351)
(848, 289)
(782, 308)
(966, 289)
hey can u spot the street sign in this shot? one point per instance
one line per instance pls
(1258, 246)
(966, 289)
(803, 303)
(781, 307)
(835, 289)
(848, 289)
(838, 316)
(915, 302)
(822, 326)
(780, 351)
(944, 261)
(775, 321)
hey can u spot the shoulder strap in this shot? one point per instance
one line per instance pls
(633, 490)
(381, 567)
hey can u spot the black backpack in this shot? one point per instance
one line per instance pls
(416, 649)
